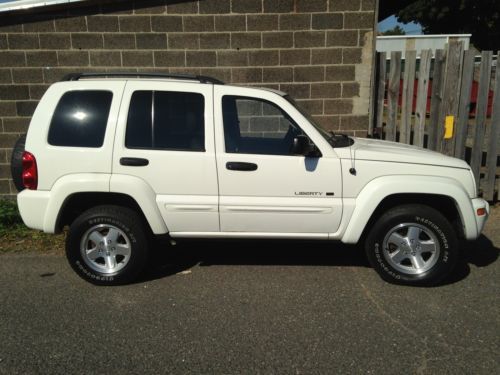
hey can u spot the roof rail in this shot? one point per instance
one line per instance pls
(187, 77)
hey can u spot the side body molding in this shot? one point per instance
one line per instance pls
(379, 188)
(145, 197)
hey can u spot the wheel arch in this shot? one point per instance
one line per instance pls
(387, 192)
(75, 204)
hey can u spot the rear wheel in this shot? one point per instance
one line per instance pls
(107, 245)
(413, 245)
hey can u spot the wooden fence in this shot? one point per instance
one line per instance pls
(449, 102)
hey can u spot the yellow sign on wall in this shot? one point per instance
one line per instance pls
(448, 126)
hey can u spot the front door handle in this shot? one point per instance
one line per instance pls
(134, 162)
(240, 166)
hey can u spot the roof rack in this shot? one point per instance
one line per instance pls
(187, 77)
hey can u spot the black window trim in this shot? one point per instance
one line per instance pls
(153, 126)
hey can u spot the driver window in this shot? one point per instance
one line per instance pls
(256, 126)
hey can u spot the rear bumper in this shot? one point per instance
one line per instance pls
(33, 207)
(478, 204)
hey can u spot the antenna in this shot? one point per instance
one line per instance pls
(352, 170)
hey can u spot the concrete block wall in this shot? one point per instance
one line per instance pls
(319, 51)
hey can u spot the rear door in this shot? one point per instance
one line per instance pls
(165, 137)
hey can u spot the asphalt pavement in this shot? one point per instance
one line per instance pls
(250, 308)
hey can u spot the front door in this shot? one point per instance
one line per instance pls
(263, 187)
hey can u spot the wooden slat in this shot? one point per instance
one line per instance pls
(436, 97)
(464, 103)
(382, 72)
(481, 107)
(491, 158)
(392, 95)
(450, 93)
(422, 90)
(407, 102)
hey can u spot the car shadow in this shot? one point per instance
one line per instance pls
(480, 253)
(167, 260)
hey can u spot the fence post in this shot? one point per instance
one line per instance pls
(423, 87)
(450, 94)
(393, 95)
(382, 72)
(407, 102)
(491, 160)
(464, 104)
(481, 108)
(436, 98)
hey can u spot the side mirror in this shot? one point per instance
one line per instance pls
(303, 146)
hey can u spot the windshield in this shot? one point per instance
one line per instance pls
(335, 140)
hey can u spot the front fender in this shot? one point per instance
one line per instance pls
(379, 188)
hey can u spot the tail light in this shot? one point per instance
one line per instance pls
(30, 172)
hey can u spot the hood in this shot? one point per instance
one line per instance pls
(374, 149)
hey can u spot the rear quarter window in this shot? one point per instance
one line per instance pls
(80, 119)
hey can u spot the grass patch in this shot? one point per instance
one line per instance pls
(16, 237)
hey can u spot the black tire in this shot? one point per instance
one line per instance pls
(100, 221)
(430, 230)
(16, 163)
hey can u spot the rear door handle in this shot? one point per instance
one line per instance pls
(134, 162)
(240, 166)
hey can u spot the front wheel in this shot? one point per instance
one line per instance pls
(412, 245)
(107, 245)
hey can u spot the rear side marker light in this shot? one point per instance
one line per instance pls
(481, 211)
(30, 172)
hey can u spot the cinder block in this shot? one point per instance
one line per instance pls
(201, 58)
(183, 41)
(230, 23)
(102, 23)
(137, 58)
(41, 58)
(295, 22)
(338, 106)
(119, 41)
(309, 74)
(74, 58)
(340, 73)
(215, 40)
(151, 41)
(23, 41)
(309, 39)
(169, 58)
(55, 41)
(198, 23)
(327, 21)
(280, 39)
(135, 23)
(295, 57)
(166, 23)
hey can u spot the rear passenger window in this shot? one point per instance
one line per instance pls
(165, 120)
(80, 119)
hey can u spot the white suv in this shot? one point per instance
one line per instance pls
(121, 158)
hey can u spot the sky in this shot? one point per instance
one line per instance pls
(389, 23)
